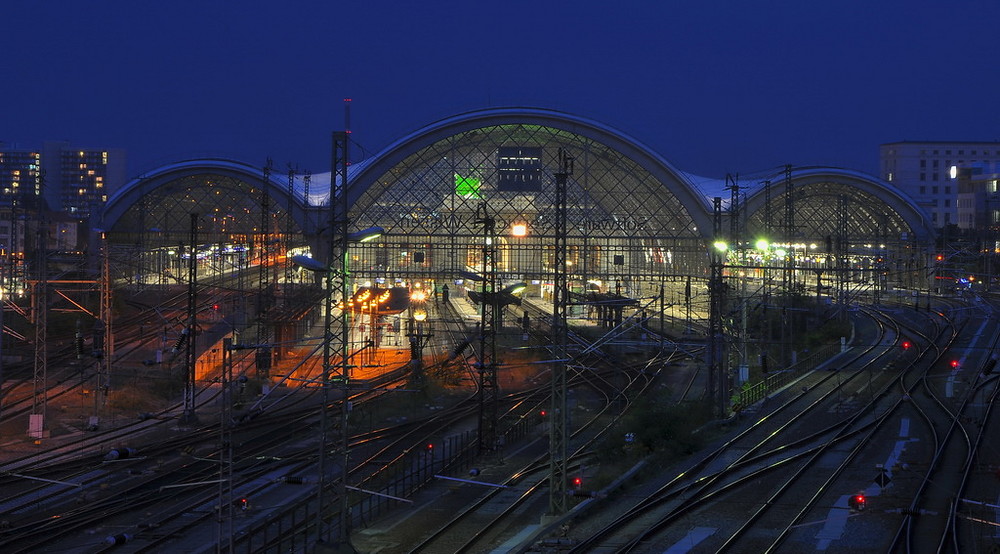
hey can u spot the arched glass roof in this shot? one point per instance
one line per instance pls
(510, 168)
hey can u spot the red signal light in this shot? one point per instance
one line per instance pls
(954, 364)
(543, 413)
(857, 502)
(577, 482)
(907, 344)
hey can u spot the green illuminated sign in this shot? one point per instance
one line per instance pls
(467, 187)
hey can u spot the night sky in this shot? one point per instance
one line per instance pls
(712, 86)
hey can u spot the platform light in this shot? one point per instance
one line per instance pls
(519, 230)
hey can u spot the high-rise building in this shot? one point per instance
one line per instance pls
(77, 180)
(20, 192)
(20, 173)
(927, 171)
(70, 179)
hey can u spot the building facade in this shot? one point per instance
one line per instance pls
(928, 172)
(978, 201)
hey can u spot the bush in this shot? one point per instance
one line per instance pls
(666, 431)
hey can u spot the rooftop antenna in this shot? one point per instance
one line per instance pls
(347, 123)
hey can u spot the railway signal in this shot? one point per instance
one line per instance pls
(906, 344)
(857, 502)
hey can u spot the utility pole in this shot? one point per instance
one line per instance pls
(717, 382)
(103, 347)
(188, 333)
(36, 421)
(263, 354)
(560, 302)
(337, 286)
(488, 323)
(224, 542)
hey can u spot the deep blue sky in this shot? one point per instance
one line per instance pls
(712, 86)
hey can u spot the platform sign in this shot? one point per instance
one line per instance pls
(519, 169)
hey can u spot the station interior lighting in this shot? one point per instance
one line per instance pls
(762, 244)
(500, 298)
(720, 246)
(516, 288)
(519, 230)
(366, 235)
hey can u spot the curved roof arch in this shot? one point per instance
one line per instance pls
(872, 203)
(132, 192)
(392, 156)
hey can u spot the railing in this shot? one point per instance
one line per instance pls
(756, 392)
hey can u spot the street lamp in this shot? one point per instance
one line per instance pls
(330, 273)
